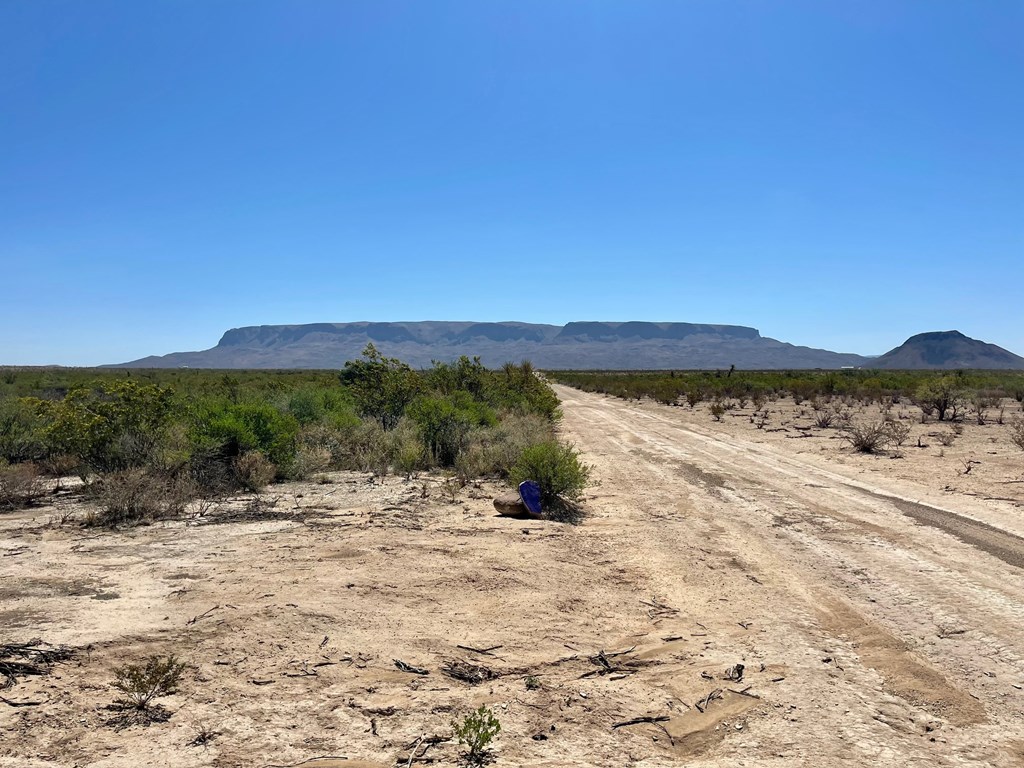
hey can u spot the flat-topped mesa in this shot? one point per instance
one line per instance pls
(598, 331)
(583, 344)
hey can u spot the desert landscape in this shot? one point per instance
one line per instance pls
(742, 591)
(531, 384)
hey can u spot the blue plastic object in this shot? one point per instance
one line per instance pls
(529, 492)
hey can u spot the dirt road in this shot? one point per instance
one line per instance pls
(900, 642)
(877, 619)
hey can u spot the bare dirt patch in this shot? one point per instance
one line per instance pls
(734, 598)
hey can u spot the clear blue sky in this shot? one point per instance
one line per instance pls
(837, 174)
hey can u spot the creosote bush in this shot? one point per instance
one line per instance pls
(477, 730)
(140, 684)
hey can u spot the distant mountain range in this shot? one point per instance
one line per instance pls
(603, 345)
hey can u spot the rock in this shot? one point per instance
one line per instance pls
(510, 505)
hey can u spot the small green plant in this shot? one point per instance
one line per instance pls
(477, 730)
(140, 684)
(718, 410)
(532, 683)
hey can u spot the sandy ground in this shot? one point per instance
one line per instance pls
(875, 604)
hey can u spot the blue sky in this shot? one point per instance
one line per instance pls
(836, 174)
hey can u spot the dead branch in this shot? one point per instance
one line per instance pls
(409, 668)
(194, 619)
(639, 720)
(485, 651)
(474, 674)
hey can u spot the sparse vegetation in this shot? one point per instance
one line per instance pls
(132, 496)
(1017, 433)
(477, 730)
(951, 391)
(867, 437)
(141, 684)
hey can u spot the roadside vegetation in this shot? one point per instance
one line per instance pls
(947, 395)
(833, 399)
(148, 443)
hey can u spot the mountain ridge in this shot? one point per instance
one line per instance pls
(579, 344)
(584, 344)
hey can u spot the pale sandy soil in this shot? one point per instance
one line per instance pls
(875, 603)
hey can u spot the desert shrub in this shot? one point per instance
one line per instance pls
(943, 397)
(556, 468)
(61, 465)
(477, 730)
(254, 471)
(365, 446)
(867, 437)
(21, 432)
(897, 432)
(693, 396)
(20, 484)
(307, 406)
(212, 471)
(113, 425)
(309, 460)
(140, 684)
(825, 417)
(406, 449)
(230, 430)
(1017, 433)
(519, 388)
(312, 405)
(496, 450)
(444, 423)
(382, 387)
(718, 410)
(946, 437)
(982, 405)
(133, 496)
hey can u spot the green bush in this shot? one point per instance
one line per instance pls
(114, 425)
(944, 397)
(477, 730)
(445, 422)
(556, 468)
(235, 429)
(21, 432)
(382, 387)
